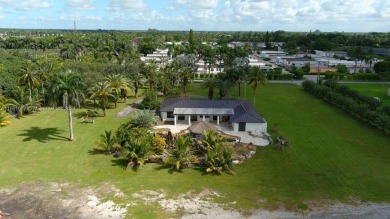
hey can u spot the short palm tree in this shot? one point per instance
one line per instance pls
(181, 155)
(136, 150)
(68, 87)
(102, 91)
(21, 104)
(219, 159)
(107, 142)
(210, 139)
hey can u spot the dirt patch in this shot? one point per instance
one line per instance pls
(54, 200)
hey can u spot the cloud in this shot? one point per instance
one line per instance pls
(195, 4)
(118, 5)
(33, 5)
(93, 18)
(81, 4)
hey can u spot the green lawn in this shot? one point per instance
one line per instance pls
(374, 90)
(331, 157)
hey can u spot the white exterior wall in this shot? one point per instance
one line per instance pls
(235, 126)
(256, 127)
(253, 127)
(164, 117)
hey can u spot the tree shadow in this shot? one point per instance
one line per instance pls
(170, 169)
(42, 134)
(124, 163)
(96, 151)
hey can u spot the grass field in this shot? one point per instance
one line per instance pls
(331, 157)
(374, 90)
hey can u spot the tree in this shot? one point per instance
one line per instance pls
(209, 140)
(102, 91)
(219, 159)
(20, 104)
(136, 78)
(143, 119)
(107, 142)
(210, 84)
(117, 83)
(180, 156)
(136, 151)
(256, 77)
(29, 78)
(69, 87)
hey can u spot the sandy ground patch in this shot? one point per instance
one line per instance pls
(55, 200)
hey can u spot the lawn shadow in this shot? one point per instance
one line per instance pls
(169, 169)
(43, 134)
(124, 163)
(96, 151)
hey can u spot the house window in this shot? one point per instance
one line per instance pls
(181, 117)
(170, 115)
(194, 118)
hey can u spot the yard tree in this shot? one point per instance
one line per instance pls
(118, 83)
(102, 91)
(256, 77)
(29, 78)
(69, 87)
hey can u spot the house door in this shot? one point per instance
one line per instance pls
(241, 126)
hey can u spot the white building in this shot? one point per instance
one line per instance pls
(240, 113)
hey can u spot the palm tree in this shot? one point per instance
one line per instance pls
(219, 159)
(68, 87)
(102, 90)
(117, 83)
(20, 103)
(181, 154)
(136, 78)
(210, 84)
(210, 139)
(256, 76)
(137, 149)
(107, 142)
(29, 77)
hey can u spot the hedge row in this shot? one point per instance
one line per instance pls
(353, 77)
(377, 117)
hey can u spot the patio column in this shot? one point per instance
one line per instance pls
(217, 120)
(203, 118)
(189, 120)
(175, 119)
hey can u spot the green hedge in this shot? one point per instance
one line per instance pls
(365, 108)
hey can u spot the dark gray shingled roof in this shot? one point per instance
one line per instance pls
(243, 110)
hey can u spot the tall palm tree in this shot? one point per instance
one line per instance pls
(256, 77)
(117, 83)
(68, 86)
(102, 90)
(28, 78)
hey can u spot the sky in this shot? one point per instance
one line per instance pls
(199, 15)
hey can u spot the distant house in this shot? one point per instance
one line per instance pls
(240, 113)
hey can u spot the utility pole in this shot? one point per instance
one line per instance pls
(318, 72)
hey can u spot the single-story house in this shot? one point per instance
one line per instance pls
(240, 113)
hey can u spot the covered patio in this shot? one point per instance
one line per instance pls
(202, 114)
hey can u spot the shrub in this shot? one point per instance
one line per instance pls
(158, 145)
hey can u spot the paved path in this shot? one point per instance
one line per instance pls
(128, 110)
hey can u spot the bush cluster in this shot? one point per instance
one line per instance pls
(367, 109)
